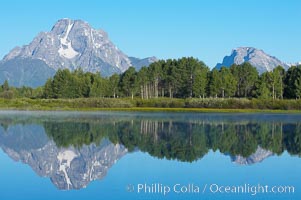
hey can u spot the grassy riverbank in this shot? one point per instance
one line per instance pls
(154, 105)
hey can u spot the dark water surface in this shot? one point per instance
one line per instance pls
(123, 155)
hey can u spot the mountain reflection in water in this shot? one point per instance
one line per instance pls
(73, 149)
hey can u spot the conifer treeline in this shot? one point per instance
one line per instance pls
(181, 78)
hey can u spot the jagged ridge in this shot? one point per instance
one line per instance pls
(70, 44)
(258, 58)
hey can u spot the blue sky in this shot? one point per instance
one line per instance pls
(206, 29)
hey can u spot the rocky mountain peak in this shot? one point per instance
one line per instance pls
(71, 44)
(80, 34)
(256, 57)
(61, 25)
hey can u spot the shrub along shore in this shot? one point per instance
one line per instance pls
(159, 104)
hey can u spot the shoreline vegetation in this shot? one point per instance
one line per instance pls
(206, 105)
(182, 85)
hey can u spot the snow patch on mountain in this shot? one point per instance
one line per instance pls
(66, 49)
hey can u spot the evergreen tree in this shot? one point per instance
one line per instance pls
(246, 76)
(215, 83)
(228, 82)
(113, 84)
(171, 77)
(5, 86)
(84, 82)
(200, 81)
(129, 82)
(48, 92)
(264, 86)
(99, 87)
(291, 82)
(297, 85)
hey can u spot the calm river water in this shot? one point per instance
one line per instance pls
(135, 155)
